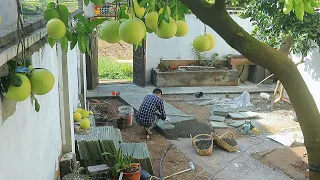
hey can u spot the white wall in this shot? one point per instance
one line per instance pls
(31, 142)
(310, 71)
(8, 13)
(181, 48)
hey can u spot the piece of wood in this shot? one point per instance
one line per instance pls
(181, 115)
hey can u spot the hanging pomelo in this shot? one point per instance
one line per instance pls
(56, 28)
(20, 93)
(85, 123)
(132, 31)
(201, 43)
(167, 30)
(212, 41)
(42, 81)
(110, 32)
(152, 20)
(182, 28)
(138, 10)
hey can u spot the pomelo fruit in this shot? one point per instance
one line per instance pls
(138, 10)
(19, 93)
(167, 30)
(84, 113)
(85, 124)
(158, 34)
(152, 20)
(79, 109)
(56, 28)
(212, 41)
(109, 32)
(97, 2)
(77, 116)
(182, 28)
(42, 81)
(151, 30)
(132, 31)
(201, 43)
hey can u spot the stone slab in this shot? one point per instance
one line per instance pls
(164, 124)
(218, 124)
(237, 123)
(217, 118)
(243, 115)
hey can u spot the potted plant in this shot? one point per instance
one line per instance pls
(124, 164)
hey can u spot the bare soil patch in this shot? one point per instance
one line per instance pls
(119, 50)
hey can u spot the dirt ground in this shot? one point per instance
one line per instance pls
(119, 50)
(174, 160)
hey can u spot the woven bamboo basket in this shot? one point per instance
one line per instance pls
(203, 152)
(221, 141)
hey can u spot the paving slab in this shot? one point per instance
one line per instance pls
(217, 118)
(215, 124)
(235, 166)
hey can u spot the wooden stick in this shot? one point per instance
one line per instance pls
(179, 115)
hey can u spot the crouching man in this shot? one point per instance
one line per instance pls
(151, 110)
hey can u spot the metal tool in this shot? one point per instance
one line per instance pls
(192, 167)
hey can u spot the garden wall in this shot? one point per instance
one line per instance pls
(181, 48)
(31, 142)
(310, 71)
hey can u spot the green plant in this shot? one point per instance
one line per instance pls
(123, 162)
(211, 61)
(109, 68)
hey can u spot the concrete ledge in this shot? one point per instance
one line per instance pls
(194, 78)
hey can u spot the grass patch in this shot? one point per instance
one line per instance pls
(109, 68)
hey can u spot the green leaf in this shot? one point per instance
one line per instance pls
(86, 2)
(5, 83)
(51, 41)
(36, 105)
(64, 14)
(11, 65)
(15, 80)
(51, 5)
(166, 17)
(27, 62)
(68, 34)
(64, 43)
(74, 40)
(82, 43)
(82, 19)
(50, 14)
(143, 3)
(96, 22)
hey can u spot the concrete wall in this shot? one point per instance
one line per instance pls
(31, 142)
(310, 71)
(181, 48)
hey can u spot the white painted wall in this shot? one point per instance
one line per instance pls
(310, 71)
(31, 142)
(181, 48)
(8, 13)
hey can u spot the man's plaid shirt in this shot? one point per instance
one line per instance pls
(147, 112)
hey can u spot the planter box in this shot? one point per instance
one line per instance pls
(194, 78)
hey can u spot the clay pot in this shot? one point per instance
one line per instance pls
(121, 123)
(133, 176)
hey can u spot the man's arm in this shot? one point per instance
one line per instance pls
(161, 110)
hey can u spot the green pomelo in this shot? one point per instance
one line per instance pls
(56, 28)
(182, 28)
(42, 81)
(152, 20)
(19, 93)
(167, 30)
(132, 31)
(150, 31)
(85, 124)
(201, 43)
(138, 10)
(110, 32)
(212, 41)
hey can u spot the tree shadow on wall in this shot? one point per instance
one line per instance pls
(312, 65)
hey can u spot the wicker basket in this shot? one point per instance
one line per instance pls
(203, 152)
(219, 140)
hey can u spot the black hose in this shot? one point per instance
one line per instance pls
(241, 71)
(161, 160)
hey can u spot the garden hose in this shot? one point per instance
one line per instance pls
(161, 160)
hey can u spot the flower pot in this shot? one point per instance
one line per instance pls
(134, 175)
(121, 123)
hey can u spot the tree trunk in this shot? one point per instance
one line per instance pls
(283, 67)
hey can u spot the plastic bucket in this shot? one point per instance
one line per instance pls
(126, 112)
